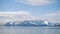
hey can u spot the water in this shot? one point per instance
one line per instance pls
(29, 30)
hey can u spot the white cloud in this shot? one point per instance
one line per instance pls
(14, 16)
(25, 15)
(37, 2)
(53, 17)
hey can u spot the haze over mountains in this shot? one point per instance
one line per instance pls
(25, 15)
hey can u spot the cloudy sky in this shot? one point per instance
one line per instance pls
(13, 10)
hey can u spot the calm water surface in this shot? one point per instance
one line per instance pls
(29, 30)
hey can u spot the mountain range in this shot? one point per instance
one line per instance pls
(31, 23)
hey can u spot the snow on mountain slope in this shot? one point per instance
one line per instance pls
(31, 23)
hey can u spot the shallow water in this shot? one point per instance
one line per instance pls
(29, 30)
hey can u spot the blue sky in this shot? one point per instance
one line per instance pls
(13, 5)
(35, 7)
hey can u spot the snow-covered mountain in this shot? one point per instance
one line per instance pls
(31, 23)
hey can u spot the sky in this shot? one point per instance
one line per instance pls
(14, 10)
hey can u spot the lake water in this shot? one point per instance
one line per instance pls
(29, 30)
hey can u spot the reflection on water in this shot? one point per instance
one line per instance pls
(29, 30)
